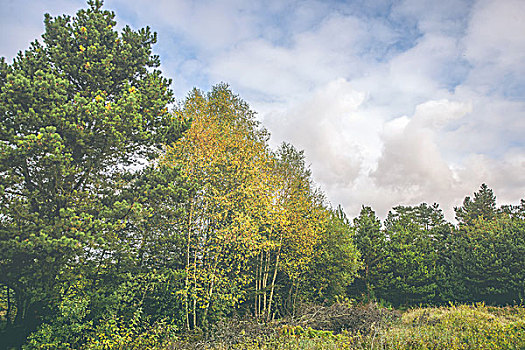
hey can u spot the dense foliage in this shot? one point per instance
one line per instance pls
(79, 113)
(123, 224)
(417, 257)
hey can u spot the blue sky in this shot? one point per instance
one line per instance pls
(394, 102)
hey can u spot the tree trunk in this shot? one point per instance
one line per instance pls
(20, 309)
(256, 297)
(195, 288)
(290, 293)
(187, 284)
(367, 282)
(8, 312)
(273, 278)
(210, 289)
(295, 298)
(265, 279)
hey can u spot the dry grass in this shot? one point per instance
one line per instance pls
(451, 328)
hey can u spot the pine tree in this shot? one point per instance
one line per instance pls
(77, 109)
(482, 206)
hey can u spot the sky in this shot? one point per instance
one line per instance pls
(394, 102)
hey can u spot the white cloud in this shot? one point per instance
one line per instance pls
(448, 17)
(323, 124)
(411, 163)
(394, 102)
(495, 46)
(22, 21)
(282, 72)
(207, 25)
(495, 34)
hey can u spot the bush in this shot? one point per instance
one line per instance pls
(136, 333)
(461, 327)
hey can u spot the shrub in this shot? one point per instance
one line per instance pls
(461, 327)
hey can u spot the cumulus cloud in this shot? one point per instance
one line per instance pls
(411, 163)
(291, 70)
(394, 102)
(495, 48)
(495, 34)
(324, 124)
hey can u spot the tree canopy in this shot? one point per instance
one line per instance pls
(80, 111)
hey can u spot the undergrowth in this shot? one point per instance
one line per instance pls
(454, 327)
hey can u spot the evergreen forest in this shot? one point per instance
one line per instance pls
(131, 220)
